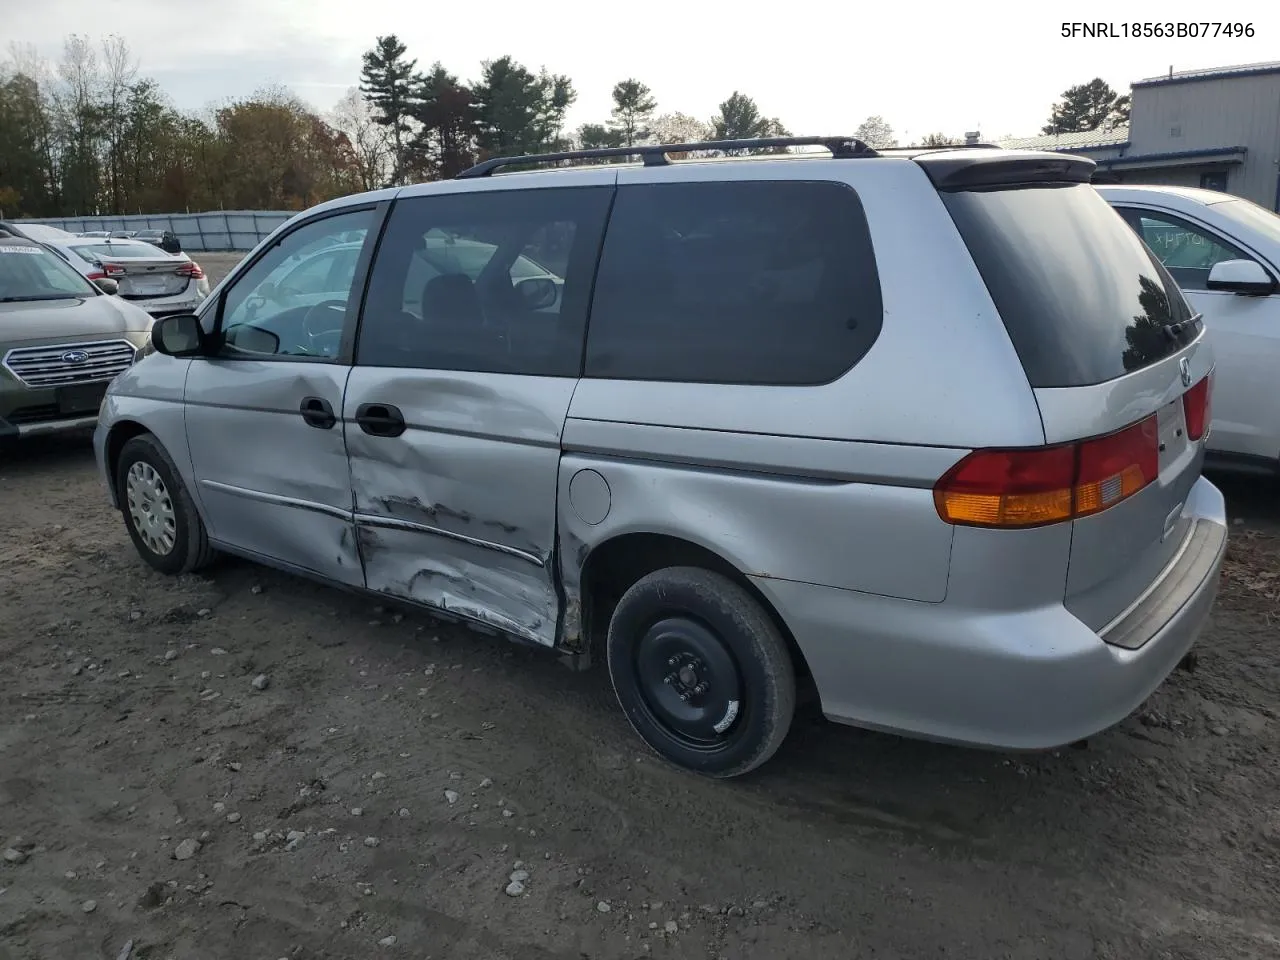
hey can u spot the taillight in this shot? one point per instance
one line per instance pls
(191, 270)
(97, 275)
(113, 269)
(1034, 487)
(1196, 404)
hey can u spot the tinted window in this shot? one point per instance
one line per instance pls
(292, 302)
(496, 281)
(1082, 297)
(1187, 252)
(766, 282)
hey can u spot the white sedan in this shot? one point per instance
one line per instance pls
(159, 282)
(1224, 252)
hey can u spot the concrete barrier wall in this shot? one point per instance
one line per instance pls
(223, 230)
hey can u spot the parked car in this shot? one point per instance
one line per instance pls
(860, 424)
(62, 339)
(159, 282)
(1224, 252)
(96, 234)
(123, 234)
(40, 232)
(166, 240)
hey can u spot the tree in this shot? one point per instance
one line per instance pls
(387, 81)
(876, 132)
(740, 119)
(370, 141)
(940, 140)
(633, 107)
(594, 136)
(680, 128)
(517, 112)
(121, 69)
(1086, 107)
(445, 145)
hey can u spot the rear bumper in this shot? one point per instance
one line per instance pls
(1031, 679)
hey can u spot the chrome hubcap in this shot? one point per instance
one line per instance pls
(151, 508)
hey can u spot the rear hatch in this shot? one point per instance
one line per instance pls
(1115, 356)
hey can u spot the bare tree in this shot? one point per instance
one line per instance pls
(121, 71)
(370, 141)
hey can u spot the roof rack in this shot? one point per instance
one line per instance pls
(655, 154)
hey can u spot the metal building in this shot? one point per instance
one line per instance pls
(1217, 128)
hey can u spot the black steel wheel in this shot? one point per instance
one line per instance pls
(701, 671)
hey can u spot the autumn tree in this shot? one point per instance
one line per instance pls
(387, 81)
(633, 108)
(1086, 107)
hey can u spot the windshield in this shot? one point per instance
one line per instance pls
(30, 272)
(92, 252)
(1253, 215)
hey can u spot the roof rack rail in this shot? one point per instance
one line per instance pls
(655, 154)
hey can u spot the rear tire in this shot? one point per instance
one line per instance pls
(159, 514)
(701, 671)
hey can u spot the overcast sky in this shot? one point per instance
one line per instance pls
(820, 67)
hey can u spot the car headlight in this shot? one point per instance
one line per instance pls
(145, 350)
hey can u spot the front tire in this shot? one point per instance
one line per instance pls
(159, 514)
(701, 671)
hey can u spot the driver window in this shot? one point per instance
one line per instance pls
(293, 301)
(1187, 252)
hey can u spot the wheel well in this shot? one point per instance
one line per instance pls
(613, 566)
(121, 433)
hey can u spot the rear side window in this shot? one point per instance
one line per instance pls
(496, 281)
(1083, 299)
(757, 282)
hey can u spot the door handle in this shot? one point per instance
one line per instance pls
(317, 412)
(380, 419)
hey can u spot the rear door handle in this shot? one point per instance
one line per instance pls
(380, 419)
(317, 412)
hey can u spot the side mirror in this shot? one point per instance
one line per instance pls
(538, 293)
(178, 335)
(1241, 276)
(107, 285)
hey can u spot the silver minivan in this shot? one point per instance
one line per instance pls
(917, 431)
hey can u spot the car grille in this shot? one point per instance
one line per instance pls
(70, 363)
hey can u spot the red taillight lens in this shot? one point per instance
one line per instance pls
(97, 275)
(113, 270)
(1031, 488)
(191, 270)
(1196, 404)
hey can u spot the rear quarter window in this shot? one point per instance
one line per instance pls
(1083, 299)
(757, 282)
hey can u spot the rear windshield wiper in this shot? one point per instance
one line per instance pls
(1175, 330)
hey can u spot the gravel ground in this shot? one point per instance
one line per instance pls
(244, 764)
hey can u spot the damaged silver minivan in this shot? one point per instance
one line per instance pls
(919, 431)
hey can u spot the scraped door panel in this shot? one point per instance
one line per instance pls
(458, 511)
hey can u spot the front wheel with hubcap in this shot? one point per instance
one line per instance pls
(701, 671)
(158, 512)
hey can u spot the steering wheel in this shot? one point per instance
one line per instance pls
(322, 324)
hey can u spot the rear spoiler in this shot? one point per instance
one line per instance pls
(979, 169)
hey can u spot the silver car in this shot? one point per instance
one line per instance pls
(917, 431)
(157, 281)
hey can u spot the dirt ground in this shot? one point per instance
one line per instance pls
(394, 772)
